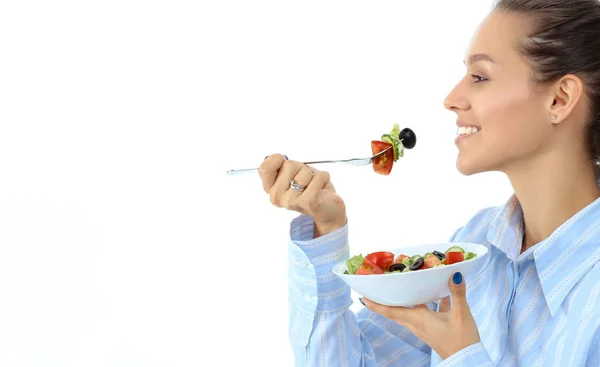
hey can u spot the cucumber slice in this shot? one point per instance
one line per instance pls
(455, 248)
(470, 255)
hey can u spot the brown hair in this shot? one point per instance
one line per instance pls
(565, 40)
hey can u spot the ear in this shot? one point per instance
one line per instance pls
(566, 93)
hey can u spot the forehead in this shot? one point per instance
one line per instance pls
(499, 36)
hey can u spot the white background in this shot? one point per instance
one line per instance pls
(123, 242)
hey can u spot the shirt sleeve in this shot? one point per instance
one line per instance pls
(323, 331)
(472, 356)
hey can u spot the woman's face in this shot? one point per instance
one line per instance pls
(497, 97)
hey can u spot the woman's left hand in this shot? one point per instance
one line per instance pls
(447, 331)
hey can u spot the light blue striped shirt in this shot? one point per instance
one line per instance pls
(539, 308)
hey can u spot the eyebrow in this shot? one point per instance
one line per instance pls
(478, 57)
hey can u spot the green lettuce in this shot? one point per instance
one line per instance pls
(394, 135)
(354, 263)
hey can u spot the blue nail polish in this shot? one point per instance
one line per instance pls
(286, 158)
(361, 301)
(457, 278)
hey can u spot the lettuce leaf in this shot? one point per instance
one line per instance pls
(398, 147)
(354, 263)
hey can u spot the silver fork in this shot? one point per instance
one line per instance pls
(352, 161)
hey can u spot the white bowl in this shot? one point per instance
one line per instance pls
(414, 287)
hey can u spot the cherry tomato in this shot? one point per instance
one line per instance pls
(381, 259)
(382, 164)
(367, 267)
(454, 257)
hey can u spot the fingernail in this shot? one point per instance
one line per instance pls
(361, 301)
(266, 157)
(457, 278)
(286, 158)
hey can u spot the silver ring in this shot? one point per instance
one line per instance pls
(296, 187)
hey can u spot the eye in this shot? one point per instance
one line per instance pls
(477, 78)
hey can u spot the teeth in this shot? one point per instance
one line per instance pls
(467, 130)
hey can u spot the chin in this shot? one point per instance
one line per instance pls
(469, 167)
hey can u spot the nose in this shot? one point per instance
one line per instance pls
(457, 98)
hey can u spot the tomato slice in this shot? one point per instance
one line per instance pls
(381, 259)
(454, 257)
(382, 164)
(367, 267)
(430, 261)
(400, 258)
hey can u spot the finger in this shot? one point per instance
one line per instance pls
(290, 199)
(313, 192)
(269, 169)
(287, 171)
(444, 305)
(303, 178)
(403, 315)
(458, 291)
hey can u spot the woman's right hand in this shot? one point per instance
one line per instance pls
(318, 200)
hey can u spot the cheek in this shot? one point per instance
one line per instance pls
(507, 117)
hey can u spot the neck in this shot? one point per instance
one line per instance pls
(551, 190)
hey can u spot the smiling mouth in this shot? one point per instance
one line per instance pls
(464, 130)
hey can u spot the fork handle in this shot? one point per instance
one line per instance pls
(235, 172)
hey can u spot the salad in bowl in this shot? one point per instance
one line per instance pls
(410, 276)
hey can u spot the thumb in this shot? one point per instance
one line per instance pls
(458, 290)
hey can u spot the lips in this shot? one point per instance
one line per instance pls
(461, 123)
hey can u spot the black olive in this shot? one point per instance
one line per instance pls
(408, 137)
(397, 267)
(439, 255)
(417, 264)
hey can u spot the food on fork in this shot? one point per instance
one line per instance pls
(397, 139)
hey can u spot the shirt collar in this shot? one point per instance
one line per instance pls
(506, 229)
(561, 259)
(568, 254)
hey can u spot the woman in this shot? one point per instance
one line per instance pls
(532, 90)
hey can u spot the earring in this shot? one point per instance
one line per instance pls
(553, 117)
